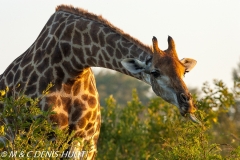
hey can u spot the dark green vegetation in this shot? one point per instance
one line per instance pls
(157, 131)
(138, 128)
(33, 132)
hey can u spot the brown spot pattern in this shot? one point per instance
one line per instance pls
(76, 88)
(92, 101)
(82, 123)
(76, 114)
(84, 97)
(66, 102)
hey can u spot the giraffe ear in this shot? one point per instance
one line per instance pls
(188, 63)
(133, 65)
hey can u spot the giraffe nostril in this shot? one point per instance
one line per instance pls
(183, 97)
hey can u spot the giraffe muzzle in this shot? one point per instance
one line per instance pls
(188, 107)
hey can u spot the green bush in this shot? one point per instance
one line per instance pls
(157, 131)
(35, 135)
(135, 131)
(31, 130)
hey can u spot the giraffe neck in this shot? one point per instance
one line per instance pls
(79, 42)
(71, 42)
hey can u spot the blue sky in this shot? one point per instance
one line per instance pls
(208, 31)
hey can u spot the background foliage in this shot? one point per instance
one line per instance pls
(120, 86)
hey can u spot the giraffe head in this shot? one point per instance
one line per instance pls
(164, 72)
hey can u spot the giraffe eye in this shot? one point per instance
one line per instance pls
(155, 74)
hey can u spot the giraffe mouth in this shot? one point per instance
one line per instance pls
(194, 118)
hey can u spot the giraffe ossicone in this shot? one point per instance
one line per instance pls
(72, 41)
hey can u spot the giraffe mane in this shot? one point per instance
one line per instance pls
(99, 18)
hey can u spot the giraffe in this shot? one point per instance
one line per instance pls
(74, 40)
